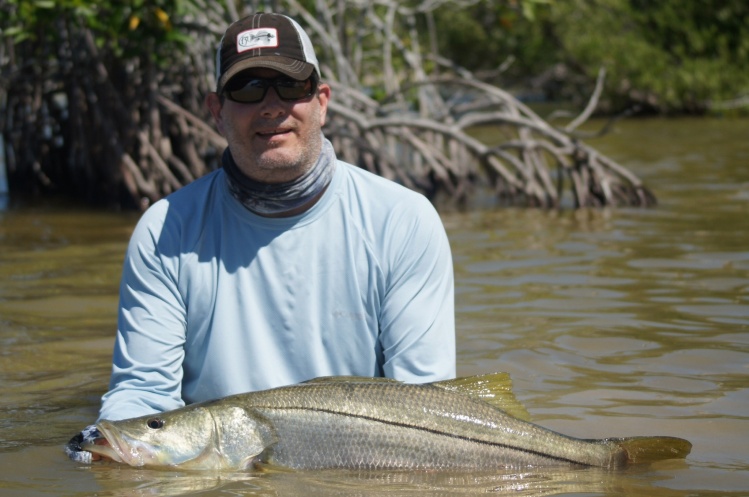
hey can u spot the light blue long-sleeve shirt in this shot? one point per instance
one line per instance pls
(216, 300)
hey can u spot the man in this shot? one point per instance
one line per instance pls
(284, 265)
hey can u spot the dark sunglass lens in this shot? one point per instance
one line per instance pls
(250, 92)
(254, 90)
(290, 89)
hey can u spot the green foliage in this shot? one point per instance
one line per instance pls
(136, 28)
(669, 55)
(480, 36)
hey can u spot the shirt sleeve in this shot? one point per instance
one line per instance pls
(417, 321)
(149, 345)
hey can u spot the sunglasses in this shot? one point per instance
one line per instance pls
(250, 91)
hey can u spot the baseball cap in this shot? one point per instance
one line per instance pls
(267, 40)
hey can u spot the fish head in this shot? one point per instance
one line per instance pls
(189, 438)
(167, 439)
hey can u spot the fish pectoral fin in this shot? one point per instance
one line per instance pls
(643, 450)
(493, 388)
(241, 435)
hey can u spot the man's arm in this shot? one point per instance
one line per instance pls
(418, 311)
(149, 346)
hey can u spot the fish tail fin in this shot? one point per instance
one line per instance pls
(643, 450)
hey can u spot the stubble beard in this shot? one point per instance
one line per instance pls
(275, 165)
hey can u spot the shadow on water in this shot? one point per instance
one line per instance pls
(611, 322)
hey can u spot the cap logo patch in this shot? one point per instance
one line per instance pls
(257, 38)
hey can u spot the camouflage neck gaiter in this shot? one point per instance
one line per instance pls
(276, 198)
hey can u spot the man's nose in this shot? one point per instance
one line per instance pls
(272, 105)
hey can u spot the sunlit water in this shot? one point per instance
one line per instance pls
(611, 322)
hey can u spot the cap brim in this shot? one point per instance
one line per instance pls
(290, 67)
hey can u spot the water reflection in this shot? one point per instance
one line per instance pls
(116, 481)
(611, 323)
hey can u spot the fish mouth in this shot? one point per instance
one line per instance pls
(101, 450)
(109, 445)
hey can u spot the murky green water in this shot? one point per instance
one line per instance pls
(611, 322)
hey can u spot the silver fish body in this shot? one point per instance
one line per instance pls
(363, 423)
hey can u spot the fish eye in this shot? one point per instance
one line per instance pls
(155, 423)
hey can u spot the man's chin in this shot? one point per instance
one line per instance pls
(276, 166)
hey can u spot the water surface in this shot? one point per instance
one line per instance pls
(612, 322)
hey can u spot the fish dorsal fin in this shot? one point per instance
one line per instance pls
(493, 388)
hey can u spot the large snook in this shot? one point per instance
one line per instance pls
(350, 422)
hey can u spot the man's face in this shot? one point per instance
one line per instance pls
(272, 140)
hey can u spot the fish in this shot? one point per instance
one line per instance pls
(470, 423)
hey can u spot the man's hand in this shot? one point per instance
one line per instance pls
(73, 447)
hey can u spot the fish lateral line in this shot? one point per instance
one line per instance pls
(432, 431)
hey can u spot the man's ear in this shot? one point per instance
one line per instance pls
(213, 103)
(323, 96)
